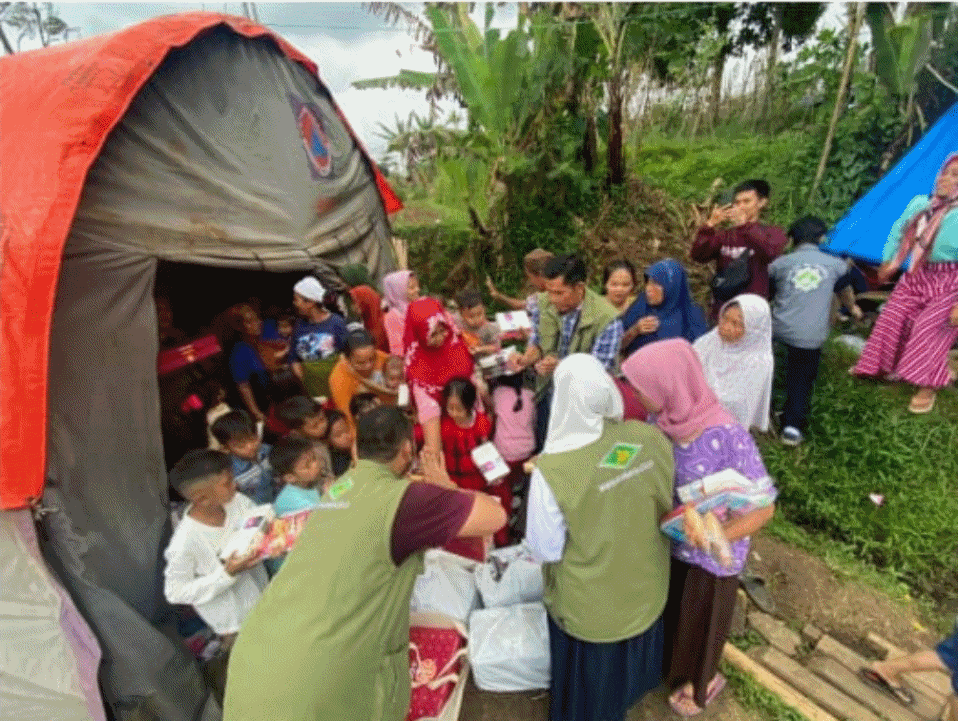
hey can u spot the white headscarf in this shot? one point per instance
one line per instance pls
(741, 373)
(584, 397)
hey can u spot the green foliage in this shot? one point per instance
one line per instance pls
(438, 238)
(863, 136)
(788, 157)
(31, 21)
(901, 50)
(864, 441)
(749, 640)
(757, 698)
(404, 79)
(687, 169)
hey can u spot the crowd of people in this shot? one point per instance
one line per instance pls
(368, 412)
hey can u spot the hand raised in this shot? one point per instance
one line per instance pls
(433, 470)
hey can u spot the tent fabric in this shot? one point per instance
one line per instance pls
(863, 231)
(48, 655)
(60, 104)
(196, 138)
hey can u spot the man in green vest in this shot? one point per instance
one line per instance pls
(329, 639)
(595, 499)
(571, 318)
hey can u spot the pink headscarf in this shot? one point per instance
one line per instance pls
(396, 291)
(918, 237)
(669, 374)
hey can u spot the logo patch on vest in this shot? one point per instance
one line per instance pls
(339, 488)
(620, 456)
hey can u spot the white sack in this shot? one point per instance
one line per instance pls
(510, 576)
(446, 586)
(509, 648)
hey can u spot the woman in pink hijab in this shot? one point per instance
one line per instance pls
(919, 323)
(399, 290)
(668, 379)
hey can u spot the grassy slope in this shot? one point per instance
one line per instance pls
(687, 169)
(862, 440)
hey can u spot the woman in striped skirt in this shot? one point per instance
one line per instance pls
(919, 323)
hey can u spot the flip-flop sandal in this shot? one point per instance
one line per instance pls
(716, 686)
(684, 705)
(922, 409)
(901, 694)
(754, 586)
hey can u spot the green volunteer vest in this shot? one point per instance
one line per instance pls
(597, 313)
(613, 579)
(329, 638)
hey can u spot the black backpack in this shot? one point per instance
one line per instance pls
(733, 280)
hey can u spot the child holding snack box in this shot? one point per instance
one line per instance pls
(222, 593)
(301, 470)
(480, 334)
(464, 428)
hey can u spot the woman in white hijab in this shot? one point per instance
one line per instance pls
(598, 491)
(737, 359)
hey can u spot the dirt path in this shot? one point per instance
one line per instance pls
(483, 706)
(805, 591)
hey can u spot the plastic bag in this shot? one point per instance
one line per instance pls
(509, 648)
(852, 342)
(510, 576)
(446, 586)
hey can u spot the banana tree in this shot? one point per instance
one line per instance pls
(901, 51)
(507, 83)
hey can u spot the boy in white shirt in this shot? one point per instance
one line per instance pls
(222, 593)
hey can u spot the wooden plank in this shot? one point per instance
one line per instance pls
(841, 653)
(811, 633)
(926, 704)
(840, 676)
(765, 678)
(775, 632)
(822, 693)
(934, 683)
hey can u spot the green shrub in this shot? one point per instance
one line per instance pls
(862, 440)
(687, 168)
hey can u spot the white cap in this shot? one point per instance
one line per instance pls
(310, 289)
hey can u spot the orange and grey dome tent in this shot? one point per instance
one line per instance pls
(194, 138)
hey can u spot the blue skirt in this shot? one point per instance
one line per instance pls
(948, 653)
(601, 681)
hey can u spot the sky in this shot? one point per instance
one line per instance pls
(347, 42)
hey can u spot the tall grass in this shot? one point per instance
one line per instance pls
(687, 168)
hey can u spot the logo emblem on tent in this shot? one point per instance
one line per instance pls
(315, 140)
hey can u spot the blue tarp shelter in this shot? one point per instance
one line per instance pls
(863, 231)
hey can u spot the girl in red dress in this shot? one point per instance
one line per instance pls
(463, 429)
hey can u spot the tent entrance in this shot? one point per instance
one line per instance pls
(196, 341)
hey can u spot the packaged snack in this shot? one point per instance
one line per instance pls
(489, 462)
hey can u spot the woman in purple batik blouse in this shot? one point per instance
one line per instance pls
(706, 439)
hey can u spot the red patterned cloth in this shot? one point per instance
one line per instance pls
(430, 653)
